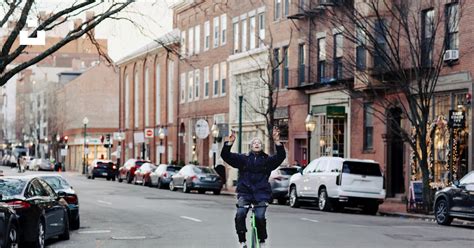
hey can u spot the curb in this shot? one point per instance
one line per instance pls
(427, 218)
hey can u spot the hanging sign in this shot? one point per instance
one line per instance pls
(457, 119)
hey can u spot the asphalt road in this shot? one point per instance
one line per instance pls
(122, 215)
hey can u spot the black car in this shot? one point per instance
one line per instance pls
(456, 201)
(59, 184)
(102, 168)
(8, 226)
(41, 212)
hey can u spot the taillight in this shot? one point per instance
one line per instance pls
(19, 204)
(114, 167)
(165, 174)
(71, 199)
(193, 178)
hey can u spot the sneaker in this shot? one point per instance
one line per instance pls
(262, 244)
(243, 245)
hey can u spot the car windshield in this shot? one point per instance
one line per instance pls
(139, 163)
(468, 179)
(361, 168)
(288, 171)
(56, 182)
(109, 164)
(204, 170)
(10, 187)
(173, 169)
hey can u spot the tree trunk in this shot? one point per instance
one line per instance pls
(427, 199)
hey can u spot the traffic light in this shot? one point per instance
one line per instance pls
(102, 138)
(66, 139)
(107, 138)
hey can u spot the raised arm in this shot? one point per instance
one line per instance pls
(233, 159)
(275, 160)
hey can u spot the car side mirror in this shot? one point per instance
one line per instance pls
(62, 194)
(456, 183)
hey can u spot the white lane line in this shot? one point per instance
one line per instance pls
(129, 238)
(104, 202)
(191, 218)
(354, 225)
(306, 219)
(94, 231)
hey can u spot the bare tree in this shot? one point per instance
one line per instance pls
(399, 55)
(18, 11)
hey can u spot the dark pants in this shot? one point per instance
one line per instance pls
(243, 207)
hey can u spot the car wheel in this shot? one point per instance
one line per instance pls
(66, 234)
(75, 224)
(217, 192)
(172, 187)
(108, 178)
(113, 179)
(92, 177)
(185, 187)
(442, 212)
(39, 242)
(324, 202)
(120, 179)
(12, 239)
(282, 201)
(371, 208)
(294, 202)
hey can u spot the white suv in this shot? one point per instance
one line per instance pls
(338, 182)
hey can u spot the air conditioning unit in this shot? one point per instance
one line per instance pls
(450, 55)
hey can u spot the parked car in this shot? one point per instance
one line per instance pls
(127, 171)
(335, 183)
(102, 168)
(6, 160)
(41, 212)
(279, 181)
(9, 226)
(40, 164)
(59, 184)
(142, 174)
(200, 178)
(456, 201)
(161, 177)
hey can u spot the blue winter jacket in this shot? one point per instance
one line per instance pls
(254, 171)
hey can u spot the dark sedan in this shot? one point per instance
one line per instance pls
(102, 168)
(279, 181)
(456, 201)
(59, 184)
(8, 226)
(161, 177)
(41, 212)
(200, 178)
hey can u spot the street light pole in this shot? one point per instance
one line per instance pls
(84, 121)
(161, 135)
(241, 98)
(310, 124)
(215, 134)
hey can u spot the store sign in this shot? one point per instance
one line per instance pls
(336, 112)
(457, 119)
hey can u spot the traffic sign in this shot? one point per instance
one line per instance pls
(149, 132)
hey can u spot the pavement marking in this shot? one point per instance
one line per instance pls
(306, 219)
(354, 225)
(104, 202)
(129, 238)
(190, 218)
(94, 231)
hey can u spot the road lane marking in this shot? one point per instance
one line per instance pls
(354, 225)
(306, 219)
(191, 218)
(104, 202)
(129, 238)
(94, 231)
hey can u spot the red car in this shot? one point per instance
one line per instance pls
(142, 174)
(127, 171)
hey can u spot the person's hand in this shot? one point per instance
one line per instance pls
(276, 135)
(231, 138)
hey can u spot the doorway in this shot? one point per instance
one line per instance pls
(395, 176)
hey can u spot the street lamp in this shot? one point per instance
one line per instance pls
(85, 121)
(310, 124)
(215, 134)
(161, 136)
(58, 139)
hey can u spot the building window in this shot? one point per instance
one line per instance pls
(276, 67)
(302, 6)
(127, 102)
(135, 99)
(360, 50)
(216, 80)
(277, 10)
(236, 37)
(223, 29)
(183, 43)
(338, 53)
(223, 78)
(427, 34)
(252, 32)
(190, 85)
(197, 39)
(147, 98)
(380, 46)
(321, 60)
(191, 41)
(452, 26)
(182, 88)
(368, 126)
(285, 67)
(197, 83)
(207, 37)
(157, 94)
(244, 35)
(301, 63)
(206, 82)
(170, 87)
(286, 8)
(216, 31)
(261, 29)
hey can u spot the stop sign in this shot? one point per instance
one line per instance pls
(149, 133)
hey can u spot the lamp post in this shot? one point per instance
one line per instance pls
(161, 135)
(85, 121)
(310, 124)
(58, 139)
(215, 134)
(241, 98)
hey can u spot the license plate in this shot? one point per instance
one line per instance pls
(104, 173)
(210, 179)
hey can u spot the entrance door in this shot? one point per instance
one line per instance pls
(395, 176)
